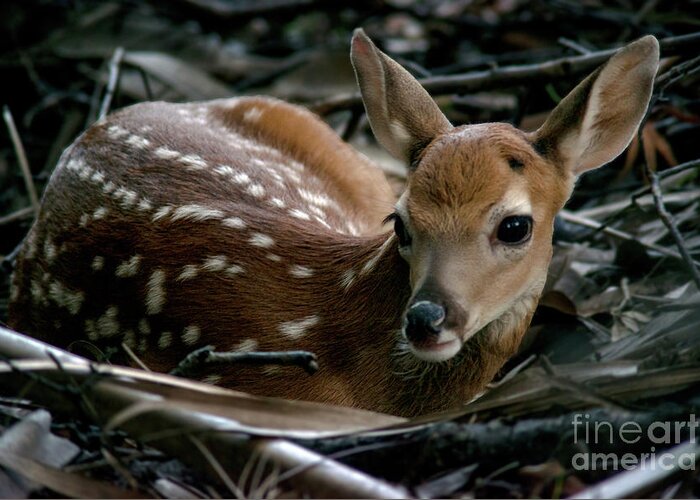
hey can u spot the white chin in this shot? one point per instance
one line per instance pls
(437, 352)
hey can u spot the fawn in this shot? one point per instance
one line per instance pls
(248, 224)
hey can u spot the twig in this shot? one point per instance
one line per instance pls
(568, 43)
(114, 70)
(22, 159)
(509, 76)
(672, 76)
(668, 221)
(615, 233)
(20, 214)
(202, 358)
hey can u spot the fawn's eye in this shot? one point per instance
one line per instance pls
(515, 229)
(400, 229)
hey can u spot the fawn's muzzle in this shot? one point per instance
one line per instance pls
(424, 319)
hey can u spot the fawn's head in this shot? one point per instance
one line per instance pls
(475, 221)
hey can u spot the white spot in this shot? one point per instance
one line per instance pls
(138, 141)
(165, 340)
(277, 202)
(253, 114)
(261, 240)
(256, 190)
(297, 329)
(63, 297)
(115, 132)
(234, 269)
(145, 129)
(108, 187)
(14, 292)
(301, 271)
(191, 334)
(107, 324)
(322, 222)
(98, 177)
(99, 213)
(129, 339)
(84, 219)
(128, 268)
(50, 251)
(188, 272)
(37, 292)
(318, 199)
(347, 279)
(143, 345)
(98, 263)
(128, 198)
(155, 292)
(234, 222)
(166, 153)
(241, 178)
(194, 162)
(162, 212)
(225, 170)
(319, 213)
(274, 257)
(144, 327)
(144, 205)
(299, 214)
(215, 263)
(91, 330)
(196, 213)
(247, 345)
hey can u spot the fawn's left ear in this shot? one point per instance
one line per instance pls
(597, 120)
(403, 117)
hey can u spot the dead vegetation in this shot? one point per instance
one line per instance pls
(615, 341)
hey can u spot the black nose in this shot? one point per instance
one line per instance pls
(424, 319)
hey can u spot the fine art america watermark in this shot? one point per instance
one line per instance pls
(660, 434)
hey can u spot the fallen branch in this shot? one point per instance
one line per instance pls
(22, 159)
(114, 71)
(439, 446)
(510, 76)
(204, 358)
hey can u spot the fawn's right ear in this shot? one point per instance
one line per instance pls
(403, 117)
(597, 120)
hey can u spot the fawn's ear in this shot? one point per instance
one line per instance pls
(597, 120)
(403, 117)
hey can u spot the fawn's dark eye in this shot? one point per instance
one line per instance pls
(515, 229)
(400, 229)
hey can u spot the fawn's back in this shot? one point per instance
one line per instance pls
(247, 224)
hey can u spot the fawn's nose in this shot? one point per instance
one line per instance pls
(423, 320)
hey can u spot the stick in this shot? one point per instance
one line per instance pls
(114, 70)
(20, 214)
(673, 76)
(205, 357)
(509, 76)
(22, 159)
(670, 224)
(615, 233)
